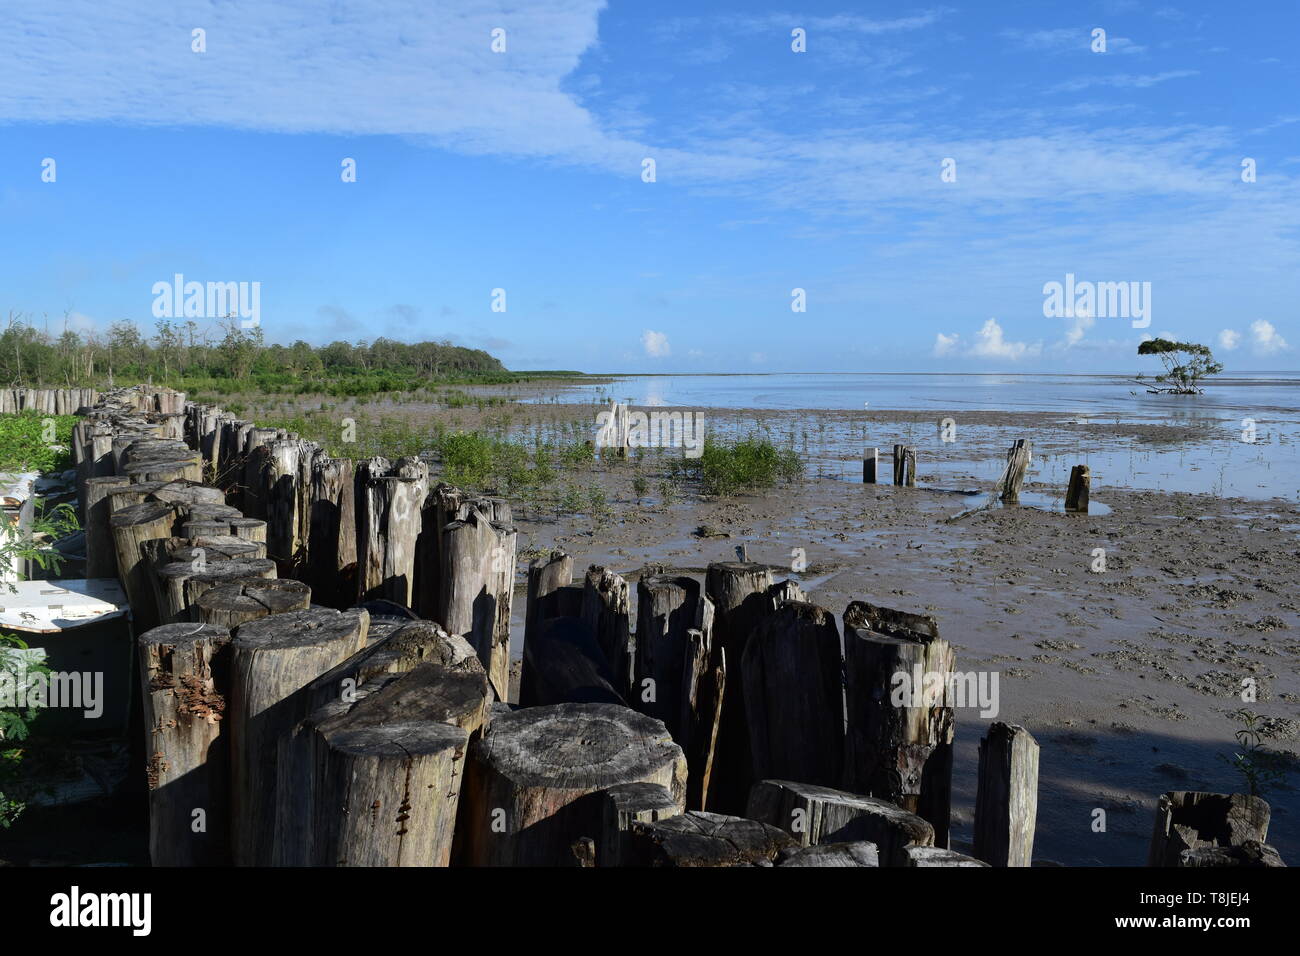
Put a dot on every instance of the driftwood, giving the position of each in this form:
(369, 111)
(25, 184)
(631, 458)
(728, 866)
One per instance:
(899, 752)
(273, 658)
(184, 672)
(937, 856)
(332, 529)
(101, 553)
(181, 583)
(532, 780)
(547, 574)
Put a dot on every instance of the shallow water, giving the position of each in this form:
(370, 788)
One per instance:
(1215, 460)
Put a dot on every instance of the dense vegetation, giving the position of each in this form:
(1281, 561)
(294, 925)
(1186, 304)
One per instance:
(25, 444)
(228, 358)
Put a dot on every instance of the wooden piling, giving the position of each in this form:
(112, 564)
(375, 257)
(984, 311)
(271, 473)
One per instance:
(530, 784)
(904, 466)
(870, 464)
(899, 752)
(1076, 495)
(1006, 801)
(793, 695)
(1019, 455)
(272, 658)
(184, 671)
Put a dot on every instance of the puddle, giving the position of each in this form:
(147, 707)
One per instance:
(1033, 499)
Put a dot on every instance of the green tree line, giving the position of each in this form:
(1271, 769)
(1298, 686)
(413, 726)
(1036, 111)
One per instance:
(226, 357)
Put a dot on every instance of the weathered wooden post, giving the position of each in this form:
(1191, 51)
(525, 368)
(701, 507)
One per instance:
(531, 782)
(794, 697)
(900, 752)
(563, 664)
(272, 658)
(101, 554)
(181, 583)
(1076, 495)
(388, 524)
(132, 526)
(184, 671)
(699, 839)
(704, 685)
(870, 464)
(373, 777)
(1006, 803)
(1019, 455)
(477, 588)
(904, 466)
(547, 573)
(667, 607)
(738, 592)
(332, 535)
(624, 805)
(606, 609)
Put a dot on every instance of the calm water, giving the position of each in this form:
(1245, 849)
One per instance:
(1218, 461)
(1093, 395)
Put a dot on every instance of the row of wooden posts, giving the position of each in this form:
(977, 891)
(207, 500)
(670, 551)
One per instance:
(307, 704)
(1009, 484)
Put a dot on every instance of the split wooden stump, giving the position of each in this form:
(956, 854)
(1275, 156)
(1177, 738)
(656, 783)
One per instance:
(702, 839)
(1192, 820)
(231, 605)
(818, 815)
(533, 783)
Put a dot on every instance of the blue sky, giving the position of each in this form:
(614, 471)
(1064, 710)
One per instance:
(775, 170)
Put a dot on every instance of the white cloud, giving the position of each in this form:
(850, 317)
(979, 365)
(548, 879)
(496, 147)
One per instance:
(655, 344)
(992, 344)
(1265, 339)
(1078, 326)
(1229, 339)
(945, 344)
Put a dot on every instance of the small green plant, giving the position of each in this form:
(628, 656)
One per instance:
(1260, 767)
(640, 486)
(17, 666)
(751, 463)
